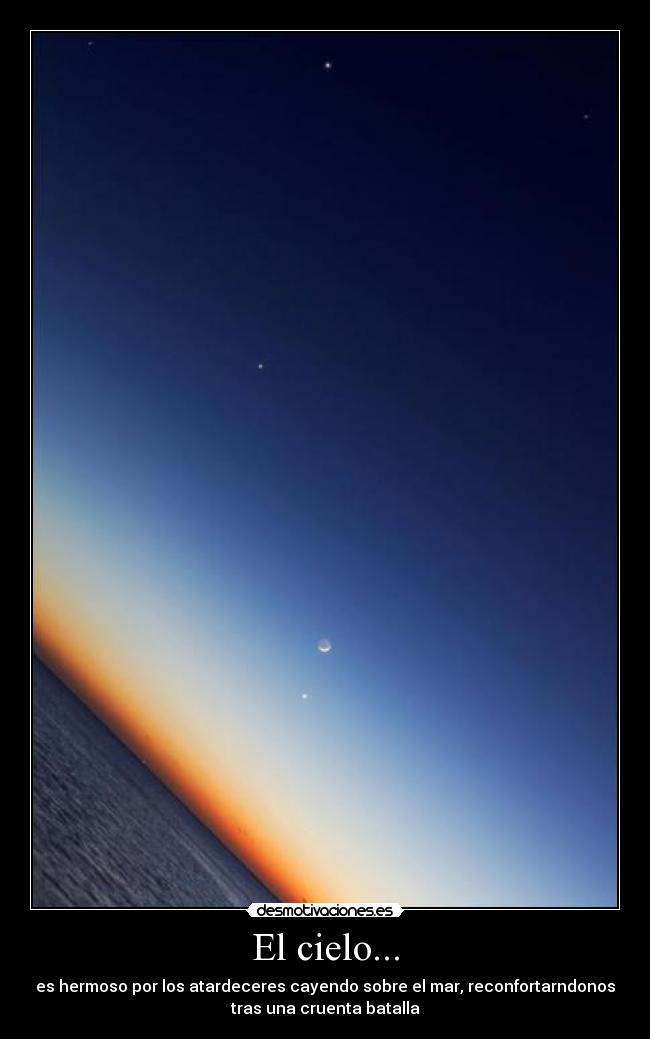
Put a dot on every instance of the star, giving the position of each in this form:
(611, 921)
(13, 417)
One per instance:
(586, 115)
(260, 367)
(327, 66)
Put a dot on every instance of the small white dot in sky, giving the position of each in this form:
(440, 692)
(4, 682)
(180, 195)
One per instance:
(586, 115)
(260, 367)
(324, 645)
(305, 696)
(327, 65)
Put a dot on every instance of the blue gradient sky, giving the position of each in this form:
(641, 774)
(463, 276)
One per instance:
(419, 245)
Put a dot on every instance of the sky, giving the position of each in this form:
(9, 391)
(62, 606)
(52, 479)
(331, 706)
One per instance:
(325, 346)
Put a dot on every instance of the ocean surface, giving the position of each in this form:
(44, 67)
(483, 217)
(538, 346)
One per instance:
(106, 832)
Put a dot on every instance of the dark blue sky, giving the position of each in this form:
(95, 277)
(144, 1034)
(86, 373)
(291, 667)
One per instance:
(420, 247)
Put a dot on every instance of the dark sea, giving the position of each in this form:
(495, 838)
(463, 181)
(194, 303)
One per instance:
(106, 832)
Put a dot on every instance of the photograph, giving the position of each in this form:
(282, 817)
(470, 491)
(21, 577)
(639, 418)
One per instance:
(325, 477)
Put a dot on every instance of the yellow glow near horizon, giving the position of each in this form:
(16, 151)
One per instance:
(174, 750)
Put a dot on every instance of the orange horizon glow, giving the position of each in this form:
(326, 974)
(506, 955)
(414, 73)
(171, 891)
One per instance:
(213, 796)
